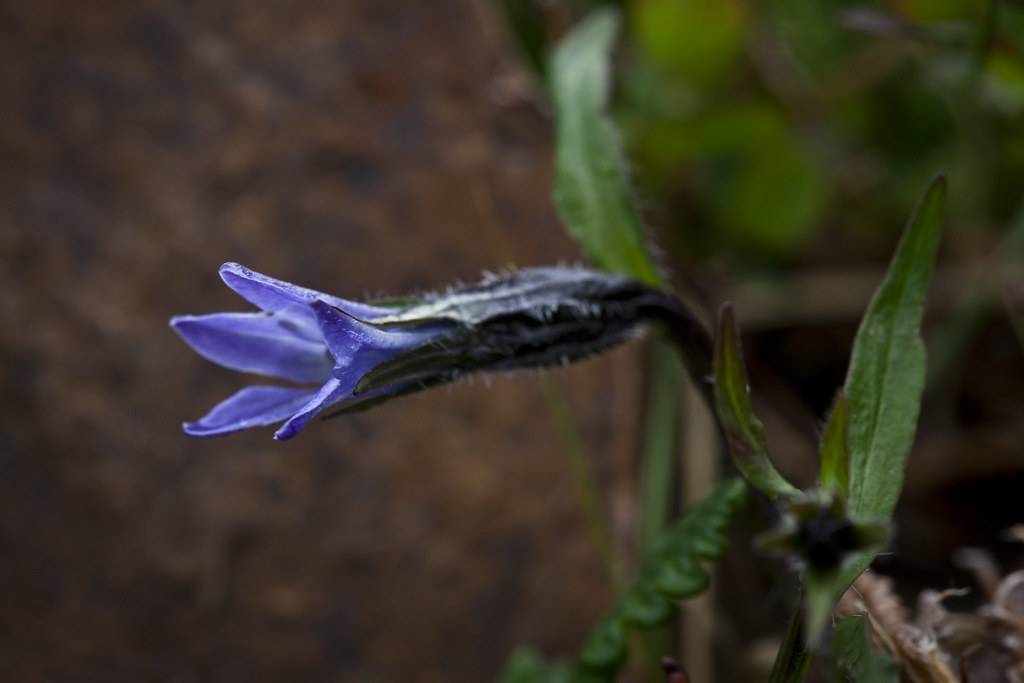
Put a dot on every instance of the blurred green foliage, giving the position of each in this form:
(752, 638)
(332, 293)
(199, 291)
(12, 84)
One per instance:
(780, 133)
(798, 131)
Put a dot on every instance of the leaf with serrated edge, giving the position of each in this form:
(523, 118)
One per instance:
(671, 571)
(744, 433)
(591, 184)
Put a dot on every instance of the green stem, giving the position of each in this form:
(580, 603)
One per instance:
(661, 437)
(657, 474)
(583, 477)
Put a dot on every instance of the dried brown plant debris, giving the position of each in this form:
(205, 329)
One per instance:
(941, 646)
(915, 648)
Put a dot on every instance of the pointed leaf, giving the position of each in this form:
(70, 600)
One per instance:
(591, 183)
(744, 433)
(887, 374)
(835, 450)
(887, 365)
(793, 658)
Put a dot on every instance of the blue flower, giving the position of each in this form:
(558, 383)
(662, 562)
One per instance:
(300, 335)
(360, 354)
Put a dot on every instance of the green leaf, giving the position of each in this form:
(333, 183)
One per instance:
(644, 605)
(681, 579)
(887, 375)
(592, 189)
(854, 660)
(606, 647)
(835, 449)
(793, 658)
(671, 571)
(744, 433)
(887, 366)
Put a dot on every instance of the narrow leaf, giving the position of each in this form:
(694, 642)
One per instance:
(835, 450)
(854, 660)
(887, 365)
(671, 571)
(591, 183)
(887, 374)
(793, 658)
(744, 433)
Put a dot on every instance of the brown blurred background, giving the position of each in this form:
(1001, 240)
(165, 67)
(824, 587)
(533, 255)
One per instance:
(358, 147)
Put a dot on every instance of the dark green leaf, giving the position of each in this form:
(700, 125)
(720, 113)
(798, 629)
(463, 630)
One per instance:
(854, 660)
(606, 646)
(644, 605)
(744, 433)
(682, 579)
(887, 365)
(793, 658)
(835, 449)
(591, 183)
(671, 571)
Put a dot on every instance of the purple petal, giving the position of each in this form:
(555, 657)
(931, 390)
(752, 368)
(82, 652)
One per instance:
(333, 391)
(255, 342)
(348, 338)
(255, 406)
(273, 295)
(357, 348)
